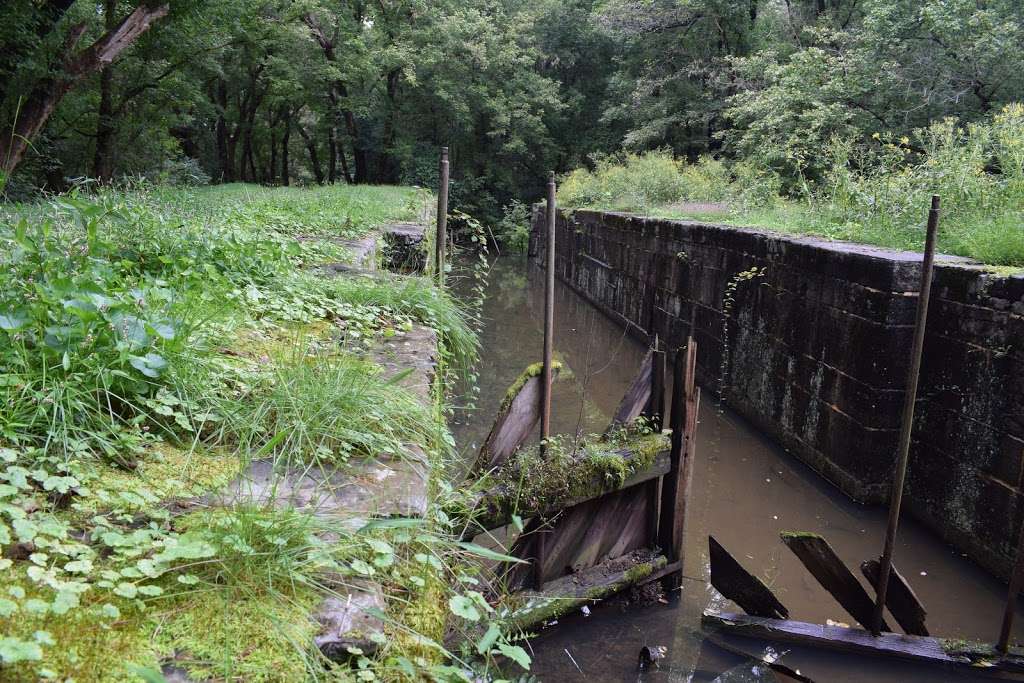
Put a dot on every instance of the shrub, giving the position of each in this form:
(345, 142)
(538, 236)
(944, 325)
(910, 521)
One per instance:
(513, 231)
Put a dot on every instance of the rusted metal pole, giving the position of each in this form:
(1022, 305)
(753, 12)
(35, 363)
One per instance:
(549, 316)
(1016, 581)
(441, 238)
(909, 402)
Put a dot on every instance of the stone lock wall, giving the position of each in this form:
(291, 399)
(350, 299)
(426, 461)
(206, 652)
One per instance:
(809, 340)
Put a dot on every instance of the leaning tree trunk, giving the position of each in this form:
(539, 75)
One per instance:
(41, 102)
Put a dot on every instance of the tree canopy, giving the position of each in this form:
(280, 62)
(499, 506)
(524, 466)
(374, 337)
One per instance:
(360, 91)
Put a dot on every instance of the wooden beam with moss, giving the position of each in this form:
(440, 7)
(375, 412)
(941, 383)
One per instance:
(589, 586)
(960, 654)
(516, 419)
(529, 485)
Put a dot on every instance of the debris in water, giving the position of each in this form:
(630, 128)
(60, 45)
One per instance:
(924, 573)
(571, 659)
(829, 622)
(585, 610)
(649, 657)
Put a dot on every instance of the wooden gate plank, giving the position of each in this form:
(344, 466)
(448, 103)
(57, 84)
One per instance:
(834, 576)
(636, 397)
(734, 582)
(901, 600)
(978, 658)
(516, 419)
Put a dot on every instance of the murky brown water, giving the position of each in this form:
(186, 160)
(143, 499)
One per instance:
(745, 491)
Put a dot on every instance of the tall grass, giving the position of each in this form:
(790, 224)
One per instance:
(874, 190)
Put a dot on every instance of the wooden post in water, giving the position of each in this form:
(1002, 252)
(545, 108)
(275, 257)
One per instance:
(656, 406)
(549, 315)
(441, 238)
(676, 484)
(1016, 581)
(909, 402)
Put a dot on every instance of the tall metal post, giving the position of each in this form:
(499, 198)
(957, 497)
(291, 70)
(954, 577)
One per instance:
(549, 314)
(909, 402)
(441, 238)
(1016, 581)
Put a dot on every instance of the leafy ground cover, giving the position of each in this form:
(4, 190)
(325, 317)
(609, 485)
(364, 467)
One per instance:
(152, 343)
(875, 191)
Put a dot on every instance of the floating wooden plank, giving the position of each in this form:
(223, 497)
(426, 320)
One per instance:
(737, 584)
(901, 600)
(833, 575)
(637, 395)
(973, 657)
(517, 418)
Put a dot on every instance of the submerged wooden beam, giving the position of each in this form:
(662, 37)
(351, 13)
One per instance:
(571, 592)
(737, 584)
(975, 657)
(833, 575)
(901, 600)
(517, 418)
(761, 658)
(636, 397)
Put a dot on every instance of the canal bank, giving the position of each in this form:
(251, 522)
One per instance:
(746, 490)
(808, 339)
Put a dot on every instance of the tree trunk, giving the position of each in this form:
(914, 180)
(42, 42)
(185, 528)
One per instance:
(102, 162)
(47, 94)
(388, 164)
(344, 163)
(221, 100)
(332, 150)
(284, 146)
(314, 158)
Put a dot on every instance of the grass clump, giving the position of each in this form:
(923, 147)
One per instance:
(875, 191)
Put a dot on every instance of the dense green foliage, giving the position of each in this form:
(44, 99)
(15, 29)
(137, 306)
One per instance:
(316, 92)
(876, 190)
(152, 344)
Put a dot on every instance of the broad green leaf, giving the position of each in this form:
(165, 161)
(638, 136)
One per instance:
(464, 607)
(516, 654)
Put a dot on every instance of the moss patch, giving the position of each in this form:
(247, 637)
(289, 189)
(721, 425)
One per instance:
(255, 638)
(531, 371)
(166, 472)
